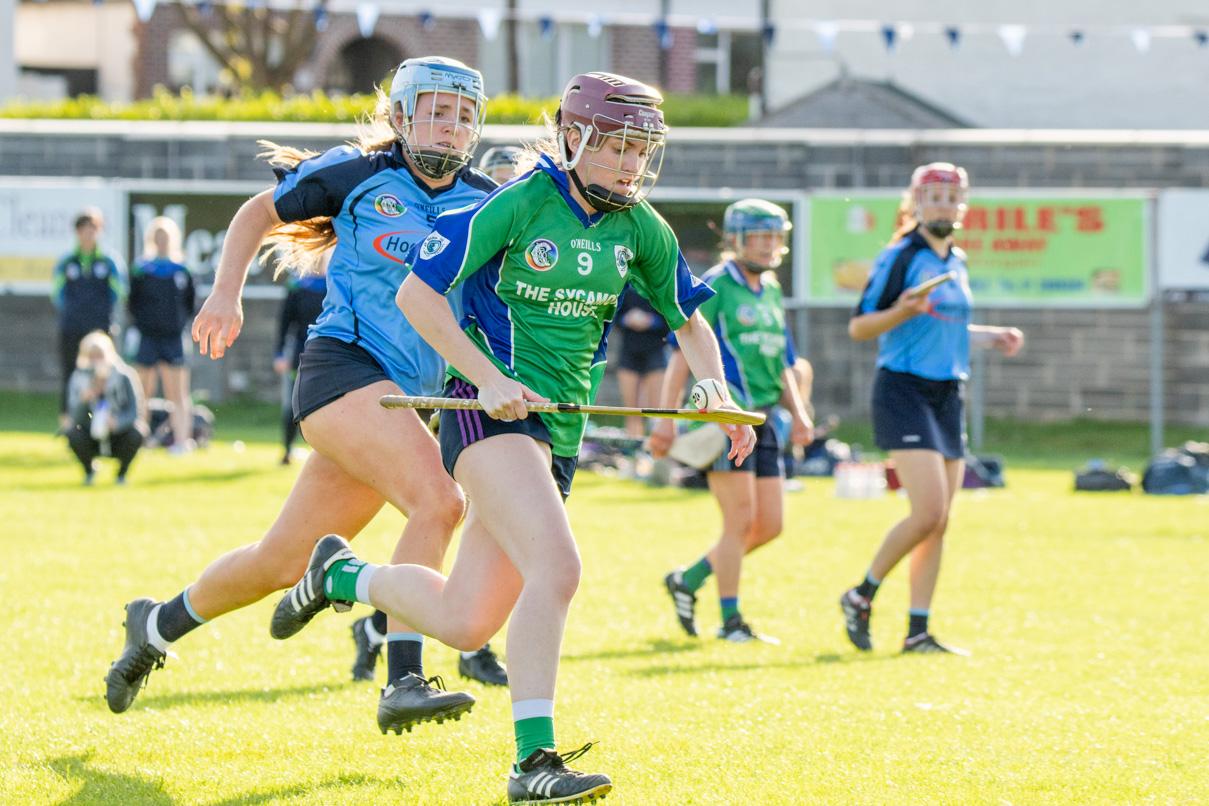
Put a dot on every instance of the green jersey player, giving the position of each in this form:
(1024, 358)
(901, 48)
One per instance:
(757, 351)
(539, 264)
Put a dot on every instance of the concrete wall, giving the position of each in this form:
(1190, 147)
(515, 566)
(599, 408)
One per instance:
(1093, 363)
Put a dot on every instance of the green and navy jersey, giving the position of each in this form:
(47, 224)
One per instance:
(752, 334)
(85, 288)
(379, 210)
(540, 280)
(161, 297)
(933, 345)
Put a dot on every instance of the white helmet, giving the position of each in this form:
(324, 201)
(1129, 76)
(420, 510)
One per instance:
(437, 74)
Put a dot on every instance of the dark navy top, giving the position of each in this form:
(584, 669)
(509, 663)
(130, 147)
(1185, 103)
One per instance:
(85, 289)
(302, 306)
(161, 297)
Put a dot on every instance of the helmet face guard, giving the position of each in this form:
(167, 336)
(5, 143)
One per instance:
(754, 216)
(499, 158)
(944, 189)
(600, 106)
(455, 81)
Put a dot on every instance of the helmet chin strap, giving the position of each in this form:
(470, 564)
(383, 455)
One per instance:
(941, 229)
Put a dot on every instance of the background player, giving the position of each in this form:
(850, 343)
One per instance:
(540, 272)
(500, 162)
(161, 304)
(918, 394)
(748, 318)
(303, 303)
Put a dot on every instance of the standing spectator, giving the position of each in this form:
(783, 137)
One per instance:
(302, 306)
(923, 360)
(161, 305)
(643, 356)
(104, 404)
(86, 287)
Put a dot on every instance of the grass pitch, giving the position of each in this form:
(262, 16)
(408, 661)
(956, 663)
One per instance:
(1086, 615)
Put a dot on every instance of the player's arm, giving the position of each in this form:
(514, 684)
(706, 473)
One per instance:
(700, 350)
(672, 395)
(220, 319)
(874, 316)
(1008, 340)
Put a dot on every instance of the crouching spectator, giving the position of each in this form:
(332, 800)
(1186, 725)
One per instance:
(104, 400)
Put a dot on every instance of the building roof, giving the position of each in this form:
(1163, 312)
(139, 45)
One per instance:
(854, 103)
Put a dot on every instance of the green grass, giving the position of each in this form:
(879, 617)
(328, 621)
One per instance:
(1086, 615)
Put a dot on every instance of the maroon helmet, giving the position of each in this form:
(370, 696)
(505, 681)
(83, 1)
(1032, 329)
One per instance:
(603, 105)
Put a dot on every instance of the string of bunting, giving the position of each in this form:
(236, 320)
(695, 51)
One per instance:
(893, 34)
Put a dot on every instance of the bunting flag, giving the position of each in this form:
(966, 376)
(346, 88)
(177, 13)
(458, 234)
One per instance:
(320, 18)
(769, 33)
(427, 22)
(1141, 39)
(1201, 37)
(489, 23)
(889, 35)
(367, 18)
(205, 8)
(826, 31)
(143, 9)
(954, 36)
(1078, 38)
(1013, 37)
(546, 26)
(595, 25)
(707, 27)
(663, 35)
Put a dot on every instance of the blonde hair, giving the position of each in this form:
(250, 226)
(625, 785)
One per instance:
(906, 217)
(526, 161)
(97, 340)
(172, 230)
(297, 246)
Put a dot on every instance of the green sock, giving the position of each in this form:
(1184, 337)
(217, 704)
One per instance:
(694, 576)
(730, 606)
(533, 734)
(348, 578)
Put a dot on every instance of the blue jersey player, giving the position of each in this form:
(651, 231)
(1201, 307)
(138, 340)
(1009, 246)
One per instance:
(924, 338)
(373, 202)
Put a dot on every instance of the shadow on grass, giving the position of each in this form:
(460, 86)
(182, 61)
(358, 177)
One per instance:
(660, 647)
(105, 481)
(269, 695)
(788, 663)
(119, 788)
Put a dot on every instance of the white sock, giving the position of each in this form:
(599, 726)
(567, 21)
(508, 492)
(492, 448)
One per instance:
(153, 631)
(375, 637)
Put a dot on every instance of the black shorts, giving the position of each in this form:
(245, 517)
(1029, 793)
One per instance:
(328, 370)
(765, 460)
(160, 349)
(461, 428)
(914, 413)
(642, 358)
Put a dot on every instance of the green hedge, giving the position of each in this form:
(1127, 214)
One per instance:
(680, 110)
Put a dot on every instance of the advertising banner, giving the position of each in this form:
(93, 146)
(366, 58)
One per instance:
(1183, 241)
(37, 220)
(1032, 250)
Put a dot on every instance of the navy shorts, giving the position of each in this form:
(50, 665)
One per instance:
(328, 370)
(461, 428)
(766, 460)
(642, 359)
(914, 413)
(161, 349)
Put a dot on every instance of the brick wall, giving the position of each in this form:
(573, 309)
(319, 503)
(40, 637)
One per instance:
(1092, 363)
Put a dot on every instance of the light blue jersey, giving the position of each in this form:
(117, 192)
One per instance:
(379, 210)
(933, 345)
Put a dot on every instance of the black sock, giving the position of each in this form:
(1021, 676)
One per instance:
(868, 588)
(175, 621)
(378, 619)
(404, 658)
(917, 623)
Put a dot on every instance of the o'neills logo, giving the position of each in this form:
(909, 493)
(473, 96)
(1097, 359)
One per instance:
(541, 255)
(389, 206)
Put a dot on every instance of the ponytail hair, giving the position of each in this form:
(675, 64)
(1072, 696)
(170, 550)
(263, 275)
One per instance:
(297, 246)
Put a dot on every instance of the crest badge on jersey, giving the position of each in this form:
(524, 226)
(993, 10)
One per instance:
(541, 255)
(746, 315)
(624, 256)
(433, 245)
(389, 205)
